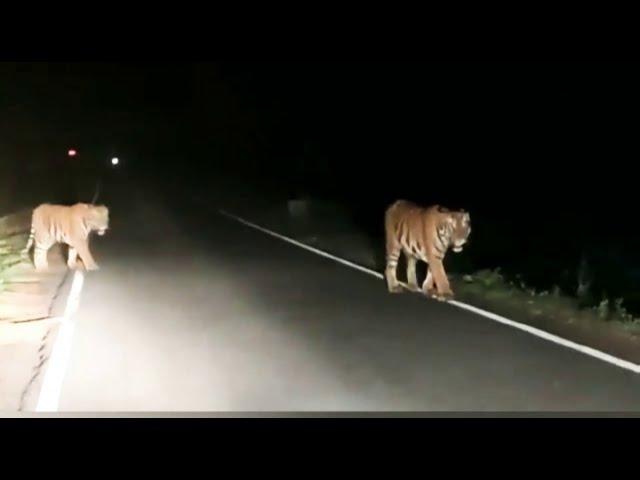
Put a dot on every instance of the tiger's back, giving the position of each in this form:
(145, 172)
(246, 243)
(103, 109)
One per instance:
(409, 226)
(55, 224)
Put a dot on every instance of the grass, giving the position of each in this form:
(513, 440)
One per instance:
(9, 257)
(12, 241)
(492, 286)
(13, 238)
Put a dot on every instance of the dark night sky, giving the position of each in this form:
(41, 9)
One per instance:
(468, 124)
(442, 130)
(49, 106)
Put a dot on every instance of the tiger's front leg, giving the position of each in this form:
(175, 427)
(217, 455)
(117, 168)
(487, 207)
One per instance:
(86, 257)
(393, 254)
(443, 288)
(428, 286)
(72, 257)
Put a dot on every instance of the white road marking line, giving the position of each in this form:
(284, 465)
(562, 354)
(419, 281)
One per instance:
(605, 357)
(302, 245)
(61, 351)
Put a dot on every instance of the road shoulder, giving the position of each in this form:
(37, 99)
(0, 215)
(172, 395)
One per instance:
(30, 303)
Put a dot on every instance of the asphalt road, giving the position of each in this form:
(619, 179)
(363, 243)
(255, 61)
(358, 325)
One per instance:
(205, 314)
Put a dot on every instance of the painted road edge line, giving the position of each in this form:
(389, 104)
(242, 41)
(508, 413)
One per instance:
(605, 357)
(59, 359)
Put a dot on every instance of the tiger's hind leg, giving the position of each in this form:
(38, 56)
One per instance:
(393, 254)
(40, 258)
(412, 278)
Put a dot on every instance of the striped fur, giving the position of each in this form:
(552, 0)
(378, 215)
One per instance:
(51, 224)
(423, 234)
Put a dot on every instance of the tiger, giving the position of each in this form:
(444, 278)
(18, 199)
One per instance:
(51, 224)
(423, 233)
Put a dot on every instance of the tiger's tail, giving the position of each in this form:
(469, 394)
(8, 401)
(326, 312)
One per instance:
(97, 193)
(32, 236)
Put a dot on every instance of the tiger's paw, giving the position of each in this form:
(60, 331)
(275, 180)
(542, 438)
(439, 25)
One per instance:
(431, 292)
(440, 296)
(395, 288)
(445, 296)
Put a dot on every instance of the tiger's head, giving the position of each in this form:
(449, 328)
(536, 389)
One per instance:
(460, 223)
(97, 218)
